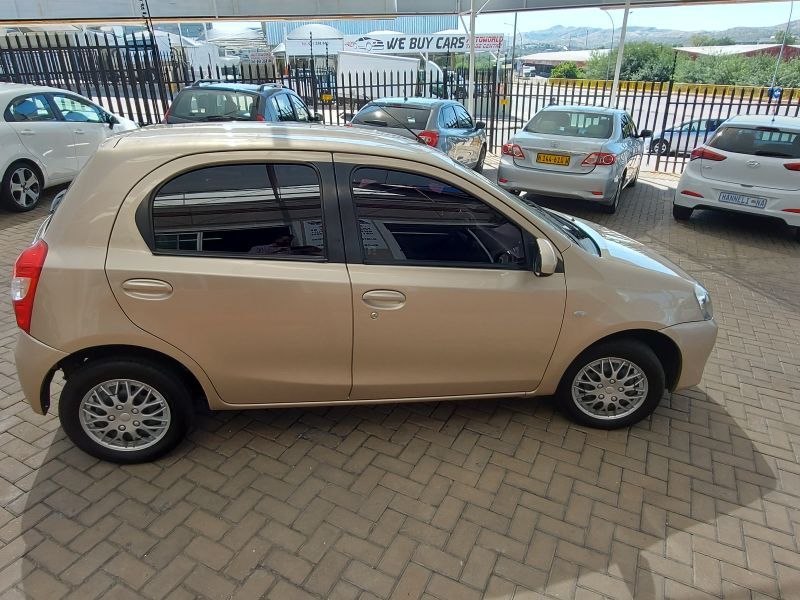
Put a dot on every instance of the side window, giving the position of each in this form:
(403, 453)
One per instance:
(632, 131)
(76, 110)
(464, 120)
(405, 218)
(300, 109)
(30, 108)
(251, 210)
(447, 118)
(283, 107)
(626, 126)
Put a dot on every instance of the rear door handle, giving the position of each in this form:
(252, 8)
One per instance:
(386, 299)
(27, 132)
(79, 131)
(147, 289)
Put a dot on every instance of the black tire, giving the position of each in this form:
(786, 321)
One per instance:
(10, 195)
(168, 384)
(478, 168)
(660, 147)
(610, 209)
(681, 213)
(638, 354)
(635, 179)
(796, 231)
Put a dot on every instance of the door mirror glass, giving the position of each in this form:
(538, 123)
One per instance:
(111, 120)
(645, 133)
(480, 125)
(546, 258)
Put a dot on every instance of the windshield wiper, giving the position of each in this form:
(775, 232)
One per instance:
(225, 118)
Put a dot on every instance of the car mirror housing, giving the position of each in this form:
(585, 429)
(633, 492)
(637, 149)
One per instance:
(316, 118)
(546, 261)
(480, 125)
(646, 133)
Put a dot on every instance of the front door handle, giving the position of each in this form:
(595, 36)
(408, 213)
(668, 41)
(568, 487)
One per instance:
(79, 131)
(147, 289)
(27, 132)
(385, 299)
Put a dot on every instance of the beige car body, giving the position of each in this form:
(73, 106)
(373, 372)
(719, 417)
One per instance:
(257, 334)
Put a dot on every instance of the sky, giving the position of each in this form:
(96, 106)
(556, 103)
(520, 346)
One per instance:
(686, 18)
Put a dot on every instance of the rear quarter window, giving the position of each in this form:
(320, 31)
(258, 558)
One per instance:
(757, 141)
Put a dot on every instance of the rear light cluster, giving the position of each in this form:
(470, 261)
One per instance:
(792, 166)
(165, 120)
(261, 118)
(706, 154)
(599, 158)
(431, 138)
(513, 150)
(27, 270)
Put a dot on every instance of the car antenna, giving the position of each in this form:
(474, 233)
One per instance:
(404, 126)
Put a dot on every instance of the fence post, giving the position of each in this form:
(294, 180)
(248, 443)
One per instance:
(669, 98)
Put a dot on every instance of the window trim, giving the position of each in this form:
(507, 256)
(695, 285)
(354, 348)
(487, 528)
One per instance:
(50, 103)
(103, 113)
(332, 229)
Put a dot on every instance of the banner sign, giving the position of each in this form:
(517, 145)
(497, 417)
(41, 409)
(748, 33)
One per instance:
(322, 47)
(435, 43)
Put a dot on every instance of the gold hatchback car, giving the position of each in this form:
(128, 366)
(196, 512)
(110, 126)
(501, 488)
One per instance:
(279, 265)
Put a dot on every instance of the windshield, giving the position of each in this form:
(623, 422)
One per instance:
(381, 116)
(572, 123)
(761, 141)
(214, 105)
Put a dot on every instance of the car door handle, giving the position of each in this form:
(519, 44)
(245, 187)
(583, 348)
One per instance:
(27, 132)
(78, 131)
(147, 289)
(386, 299)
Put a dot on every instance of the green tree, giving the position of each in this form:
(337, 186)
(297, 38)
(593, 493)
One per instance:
(790, 37)
(700, 39)
(641, 61)
(567, 70)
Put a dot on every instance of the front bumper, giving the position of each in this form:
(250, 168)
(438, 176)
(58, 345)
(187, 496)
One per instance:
(598, 186)
(695, 341)
(36, 363)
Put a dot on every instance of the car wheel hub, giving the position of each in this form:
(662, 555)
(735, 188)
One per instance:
(123, 414)
(609, 388)
(24, 187)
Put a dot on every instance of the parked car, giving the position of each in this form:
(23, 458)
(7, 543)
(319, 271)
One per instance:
(213, 100)
(290, 268)
(442, 124)
(584, 152)
(751, 165)
(683, 137)
(528, 71)
(46, 136)
(369, 44)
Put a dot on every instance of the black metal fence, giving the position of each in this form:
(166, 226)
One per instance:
(133, 77)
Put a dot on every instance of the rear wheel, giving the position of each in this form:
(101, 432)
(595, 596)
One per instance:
(612, 208)
(681, 213)
(613, 384)
(481, 158)
(22, 187)
(125, 410)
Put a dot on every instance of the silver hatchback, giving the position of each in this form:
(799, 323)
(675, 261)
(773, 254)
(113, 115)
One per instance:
(443, 124)
(584, 152)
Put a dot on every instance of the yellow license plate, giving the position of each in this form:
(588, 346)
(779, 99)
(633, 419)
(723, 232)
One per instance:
(553, 159)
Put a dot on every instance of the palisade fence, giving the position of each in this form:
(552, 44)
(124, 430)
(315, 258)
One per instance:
(131, 77)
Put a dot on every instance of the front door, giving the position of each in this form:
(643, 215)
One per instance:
(444, 299)
(240, 266)
(86, 122)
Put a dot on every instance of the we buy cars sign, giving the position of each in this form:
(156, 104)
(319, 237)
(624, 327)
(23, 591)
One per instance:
(388, 43)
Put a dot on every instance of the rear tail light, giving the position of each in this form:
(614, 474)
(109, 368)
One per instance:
(691, 193)
(792, 166)
(27, 270)
(513, 150)
(706, 154)
(599, 158)
(430, 137)
(792, 210)
(165, 120)
(261, 118)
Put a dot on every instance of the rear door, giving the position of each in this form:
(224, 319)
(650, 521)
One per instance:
(236, 259)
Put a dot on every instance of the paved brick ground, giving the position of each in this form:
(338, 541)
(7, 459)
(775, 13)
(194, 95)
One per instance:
(455, 500)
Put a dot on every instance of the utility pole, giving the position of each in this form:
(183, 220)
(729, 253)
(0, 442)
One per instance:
(514, 47)
(620, 50)
(471, 82)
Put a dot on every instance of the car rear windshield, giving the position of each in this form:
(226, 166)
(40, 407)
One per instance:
(392, 117)
(214, 105)
(761, 141)
(572, 123)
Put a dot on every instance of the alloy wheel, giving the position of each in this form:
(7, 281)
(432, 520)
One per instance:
(24, 187)
(609, 388)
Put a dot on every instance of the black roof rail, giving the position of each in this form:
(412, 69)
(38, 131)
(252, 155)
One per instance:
(200, 82)
(265, 86)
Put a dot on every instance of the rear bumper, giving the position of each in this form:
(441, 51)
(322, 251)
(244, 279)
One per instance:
(695, 341)
(777, 200)
(598, 186)
(36, 363)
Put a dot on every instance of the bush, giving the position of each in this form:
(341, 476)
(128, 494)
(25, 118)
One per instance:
(641, 61)
(567, 70)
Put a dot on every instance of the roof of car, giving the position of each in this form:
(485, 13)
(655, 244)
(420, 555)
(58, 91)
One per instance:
(581, 108)
(783, 122)
(14, 89)
(416, 102)
(235, 87)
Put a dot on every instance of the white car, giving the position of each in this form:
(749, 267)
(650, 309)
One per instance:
(46, 136)
(751, 165)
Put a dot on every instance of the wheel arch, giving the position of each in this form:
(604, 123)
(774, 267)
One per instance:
(32, 163)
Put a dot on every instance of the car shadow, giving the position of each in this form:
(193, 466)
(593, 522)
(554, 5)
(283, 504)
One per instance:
(676, 475)
(9, 219)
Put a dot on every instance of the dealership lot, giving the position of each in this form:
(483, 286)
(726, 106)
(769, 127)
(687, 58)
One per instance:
(455, 500)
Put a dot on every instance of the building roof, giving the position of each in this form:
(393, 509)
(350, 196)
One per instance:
(727, 50)
(560, 56)
(319, 32)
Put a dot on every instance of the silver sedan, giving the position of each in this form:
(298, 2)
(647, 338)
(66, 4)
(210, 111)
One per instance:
(584, 152)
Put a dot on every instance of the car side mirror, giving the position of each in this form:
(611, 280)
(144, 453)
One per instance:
(480, 125)
(546, 261)
(111, 120)
(316, 118)
(646, 133)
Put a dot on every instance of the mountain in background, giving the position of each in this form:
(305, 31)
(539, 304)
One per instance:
(578, 38)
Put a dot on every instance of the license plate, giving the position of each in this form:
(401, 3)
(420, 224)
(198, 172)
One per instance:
(740, 200)
(553, 159)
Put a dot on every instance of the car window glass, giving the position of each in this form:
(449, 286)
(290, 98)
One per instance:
(217, 105)
(632, 131)
(73, 109)
(448, 118)
(251, 210)
(573, 123)
(759, 142)
(30, 108)
(405, 218)
(283, 107)
(300, 109)
(464, 120)
(393, 117)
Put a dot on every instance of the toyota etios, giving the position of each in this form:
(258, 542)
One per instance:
(304, 266)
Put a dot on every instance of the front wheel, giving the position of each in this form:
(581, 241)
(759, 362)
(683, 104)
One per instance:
(660, 147)
(125, 410)
(613, 384)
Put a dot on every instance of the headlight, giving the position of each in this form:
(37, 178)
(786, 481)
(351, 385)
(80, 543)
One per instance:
(704, 300)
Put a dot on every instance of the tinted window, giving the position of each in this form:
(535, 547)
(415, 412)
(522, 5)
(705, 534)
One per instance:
(572, 123)
(405, 218)
(393, 116)
(759, 142)
(300, 109)
(214, 105)
(448, 118)
(262, 210)
(30, 108)
(283, 107)
(464, 120)
(73, 109)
